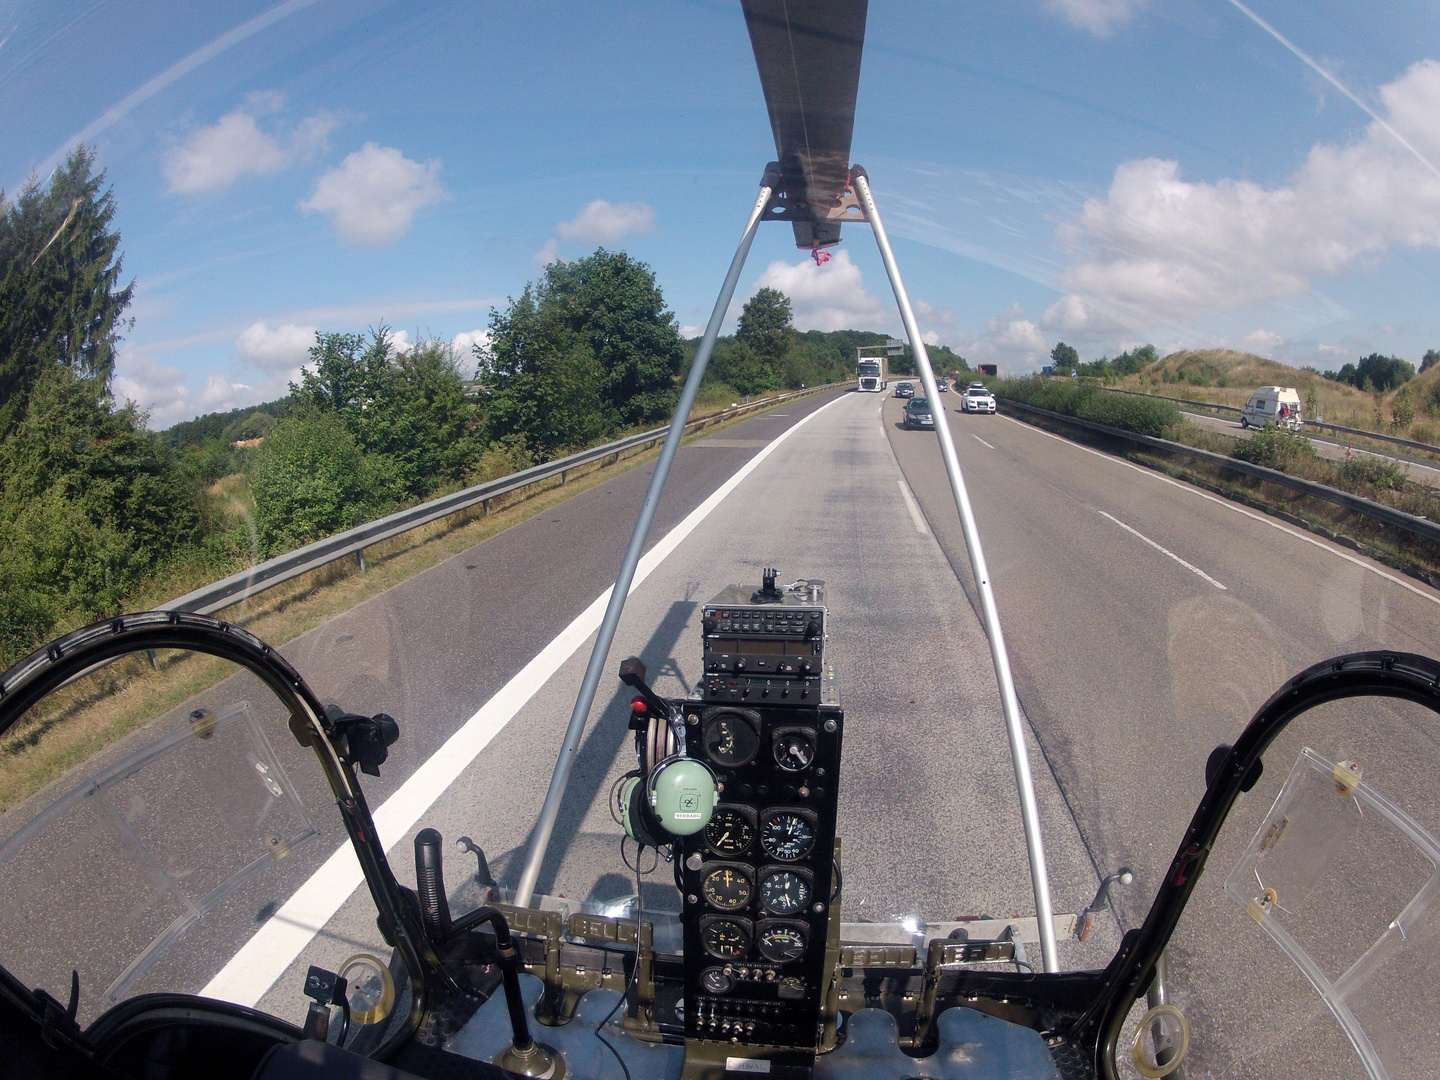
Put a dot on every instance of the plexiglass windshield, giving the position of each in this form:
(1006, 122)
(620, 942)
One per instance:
(270, 275)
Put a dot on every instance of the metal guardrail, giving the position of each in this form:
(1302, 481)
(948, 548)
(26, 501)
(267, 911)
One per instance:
(237, 587)
(1308, 423)
(1388, 514)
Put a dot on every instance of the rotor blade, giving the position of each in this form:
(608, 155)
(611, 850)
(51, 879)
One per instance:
(808, 54)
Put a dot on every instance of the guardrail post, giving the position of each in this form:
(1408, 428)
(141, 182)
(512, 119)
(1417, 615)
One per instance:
(360, 560)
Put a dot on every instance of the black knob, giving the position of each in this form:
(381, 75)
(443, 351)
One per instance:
(739, 665)
(805, 667)
(812, 628)
(709, 623)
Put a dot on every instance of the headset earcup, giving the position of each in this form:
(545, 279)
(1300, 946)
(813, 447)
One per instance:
(636, 815)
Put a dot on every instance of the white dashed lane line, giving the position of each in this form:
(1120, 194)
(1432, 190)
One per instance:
(913, 507)
(1163, 550)
(981, 441)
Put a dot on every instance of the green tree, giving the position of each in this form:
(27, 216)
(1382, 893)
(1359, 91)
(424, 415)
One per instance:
(587, 350)
(91, 504)
(60, 300)
(1430, 359)
(409, 407)
(744, 370)
(765, 327)
(1065, 358)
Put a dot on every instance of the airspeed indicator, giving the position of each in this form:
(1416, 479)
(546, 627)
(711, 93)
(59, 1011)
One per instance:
(786, 836)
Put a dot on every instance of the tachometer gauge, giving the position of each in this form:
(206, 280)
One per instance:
(729, 832)
(786, 836)
(782, 942)
(784, 892)
(725, 939)
(730, 740)
(727, 888)
(794, 749)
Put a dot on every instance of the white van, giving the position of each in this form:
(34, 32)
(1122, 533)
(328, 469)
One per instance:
(1279, 405)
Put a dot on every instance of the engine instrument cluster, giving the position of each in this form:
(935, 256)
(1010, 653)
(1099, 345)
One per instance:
(758, 879)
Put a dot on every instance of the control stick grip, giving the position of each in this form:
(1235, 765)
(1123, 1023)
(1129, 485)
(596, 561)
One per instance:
(430, 884)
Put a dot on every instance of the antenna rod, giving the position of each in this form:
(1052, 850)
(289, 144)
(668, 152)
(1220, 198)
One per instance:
(545, 826)
(1009, 703)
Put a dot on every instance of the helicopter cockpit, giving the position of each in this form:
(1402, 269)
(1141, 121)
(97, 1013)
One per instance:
(231, 875)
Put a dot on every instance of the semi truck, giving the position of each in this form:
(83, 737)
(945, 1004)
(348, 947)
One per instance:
(871, 369)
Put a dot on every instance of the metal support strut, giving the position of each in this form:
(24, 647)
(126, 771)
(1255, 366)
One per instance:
(1009, 703)
(545, 826)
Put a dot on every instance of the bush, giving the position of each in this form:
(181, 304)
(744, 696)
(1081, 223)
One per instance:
(1375, 472)
(1274, 448)
(312, 479)
(1144, 416)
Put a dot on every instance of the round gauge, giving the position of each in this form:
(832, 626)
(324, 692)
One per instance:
(730, 740)
(782, 943)
(725, 939)
(786, 836)
(727, 888)
(794, 749)
(729, 832)
(716, 981)
(784, 892)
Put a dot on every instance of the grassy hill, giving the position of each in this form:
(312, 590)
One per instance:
(1227, 377)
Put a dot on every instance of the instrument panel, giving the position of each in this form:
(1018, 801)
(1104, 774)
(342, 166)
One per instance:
(757, 879)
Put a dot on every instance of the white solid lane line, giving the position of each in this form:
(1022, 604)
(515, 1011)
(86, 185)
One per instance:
(1163, 550)
(1239, 510)
(265, 957)
(913, 507)
(981, 441)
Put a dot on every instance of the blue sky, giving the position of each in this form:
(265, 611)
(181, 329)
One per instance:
(1104, 172)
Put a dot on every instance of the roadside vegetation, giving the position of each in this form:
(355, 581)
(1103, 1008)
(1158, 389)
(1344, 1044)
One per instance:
(100, 515)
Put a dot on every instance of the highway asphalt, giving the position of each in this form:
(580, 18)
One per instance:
(1132, 663)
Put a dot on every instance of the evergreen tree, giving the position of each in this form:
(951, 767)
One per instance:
(60, 303)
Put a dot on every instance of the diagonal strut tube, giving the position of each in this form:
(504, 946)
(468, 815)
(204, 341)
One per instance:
(1009, 704)
(545, 826)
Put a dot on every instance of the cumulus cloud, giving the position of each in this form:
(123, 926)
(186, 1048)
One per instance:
(1010, 340)
(828, 297)
(604, 222)
(275, 349)
(1262, 341)
(464, 342)
(372, 196)
(212, 158)
(154, 388)
(1100, 17)
(600, 222)
(1159, 248)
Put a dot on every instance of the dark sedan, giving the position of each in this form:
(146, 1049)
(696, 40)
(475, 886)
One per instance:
(918, 414)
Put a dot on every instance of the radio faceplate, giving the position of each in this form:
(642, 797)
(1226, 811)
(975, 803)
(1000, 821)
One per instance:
(765, 651)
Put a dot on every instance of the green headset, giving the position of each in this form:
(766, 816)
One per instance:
(670, 795)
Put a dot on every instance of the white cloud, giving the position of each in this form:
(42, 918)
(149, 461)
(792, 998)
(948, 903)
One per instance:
(221, 395)
(372, 196)
(689, 331)
(464, 342)
(1099, 17)
(1263, 342)
(603, 222)
(282, 348)
(548, 253)
(1159, 248)
(161, 391)
(212, 158)
(828, 297)
(400, 341)
(1010, 340)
